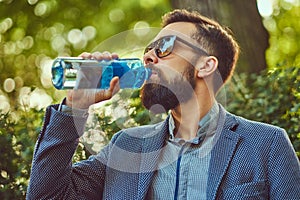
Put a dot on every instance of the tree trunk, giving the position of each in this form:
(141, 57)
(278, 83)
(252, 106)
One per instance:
(243, 18)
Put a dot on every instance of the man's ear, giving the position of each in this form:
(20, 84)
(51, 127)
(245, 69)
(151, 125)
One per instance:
(206, 66)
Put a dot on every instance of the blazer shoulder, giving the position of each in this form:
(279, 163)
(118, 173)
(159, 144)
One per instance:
(248, 126)
(139, 133)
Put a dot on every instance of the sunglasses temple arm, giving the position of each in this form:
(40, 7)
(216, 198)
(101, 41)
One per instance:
(193, 46)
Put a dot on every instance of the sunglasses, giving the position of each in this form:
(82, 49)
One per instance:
(164, 46)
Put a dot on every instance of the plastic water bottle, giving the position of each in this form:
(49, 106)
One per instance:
(79, 73)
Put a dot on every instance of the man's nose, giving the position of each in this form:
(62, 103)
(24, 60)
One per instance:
(150, 57)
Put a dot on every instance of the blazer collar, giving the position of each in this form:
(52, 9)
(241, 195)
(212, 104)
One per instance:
(226, 141)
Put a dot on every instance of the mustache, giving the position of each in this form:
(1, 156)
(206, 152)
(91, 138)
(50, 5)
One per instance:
(154, 68)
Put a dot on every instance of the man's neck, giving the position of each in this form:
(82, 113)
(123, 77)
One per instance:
(187, 116)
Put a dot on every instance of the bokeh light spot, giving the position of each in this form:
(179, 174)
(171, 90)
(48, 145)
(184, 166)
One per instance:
(148, 4)
(75, 36)
(19, 82)
(141, 28)
(58, 43)
(5, 25)
(4, 105)
(40, 9)
(32, 2)
(116, 15)
(265, 7)
(28, 42)
(39, 99)
(89, 32)
(9, 85)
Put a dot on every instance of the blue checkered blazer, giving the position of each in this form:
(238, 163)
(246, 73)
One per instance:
(249, 160)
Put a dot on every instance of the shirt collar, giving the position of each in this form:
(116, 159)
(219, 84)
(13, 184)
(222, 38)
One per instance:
(207, 125)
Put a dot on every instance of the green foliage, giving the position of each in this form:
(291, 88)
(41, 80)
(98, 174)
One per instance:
(17, 143)
(284, 31)
(272, 97)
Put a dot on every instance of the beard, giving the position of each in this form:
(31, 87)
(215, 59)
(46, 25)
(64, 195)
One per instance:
(164, 95)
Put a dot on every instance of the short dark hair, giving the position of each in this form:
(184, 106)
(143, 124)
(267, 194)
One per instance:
(215, 39)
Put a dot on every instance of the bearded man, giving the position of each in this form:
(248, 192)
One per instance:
(200, 151)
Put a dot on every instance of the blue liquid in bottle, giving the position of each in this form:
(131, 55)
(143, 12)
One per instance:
(78, 73)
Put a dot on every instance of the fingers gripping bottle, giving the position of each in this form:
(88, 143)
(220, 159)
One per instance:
(79, 73)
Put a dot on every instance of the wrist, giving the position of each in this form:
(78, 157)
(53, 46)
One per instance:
(68, 109)
(67, 102)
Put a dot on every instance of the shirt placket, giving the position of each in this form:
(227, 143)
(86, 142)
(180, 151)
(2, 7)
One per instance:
(182, 172)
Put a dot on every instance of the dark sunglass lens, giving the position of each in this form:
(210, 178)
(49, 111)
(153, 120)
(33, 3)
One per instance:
(165, 46)
(150, 47)
(163, 53)
(147, 49)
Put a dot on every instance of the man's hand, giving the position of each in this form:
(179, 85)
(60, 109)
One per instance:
(83, 98)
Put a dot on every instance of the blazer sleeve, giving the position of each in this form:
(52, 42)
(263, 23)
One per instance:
(52, 174)
(283, 168)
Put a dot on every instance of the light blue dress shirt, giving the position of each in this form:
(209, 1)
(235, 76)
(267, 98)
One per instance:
(183, 168)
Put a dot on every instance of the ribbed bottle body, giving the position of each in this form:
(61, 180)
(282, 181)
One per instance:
(78, 73)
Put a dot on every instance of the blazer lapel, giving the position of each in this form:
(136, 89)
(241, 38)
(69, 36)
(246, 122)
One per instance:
(132, 177)
(152, 145)
(222, 153)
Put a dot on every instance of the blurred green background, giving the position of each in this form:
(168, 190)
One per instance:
(34, 32)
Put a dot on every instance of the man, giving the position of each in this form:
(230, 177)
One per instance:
(199, 152)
